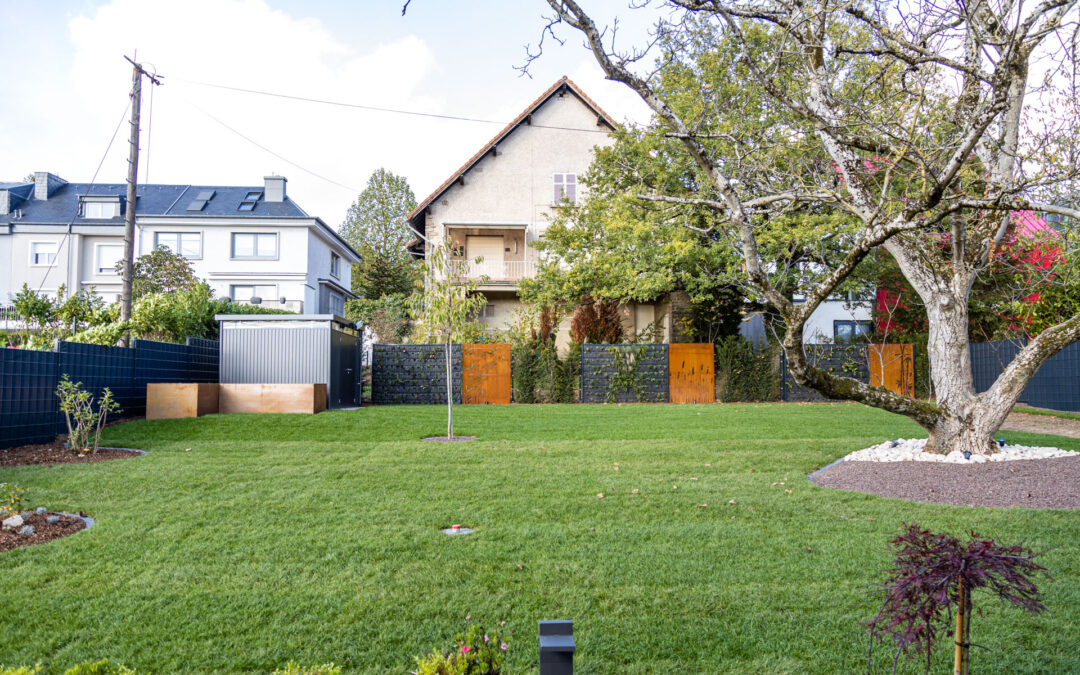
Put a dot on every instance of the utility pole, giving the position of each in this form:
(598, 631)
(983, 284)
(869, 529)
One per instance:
(132, 197)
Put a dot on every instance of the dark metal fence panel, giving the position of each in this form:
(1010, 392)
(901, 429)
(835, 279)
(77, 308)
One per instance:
(624, 373)
(29, 411)
(414, 374)
(1055, 385)
(847, 360)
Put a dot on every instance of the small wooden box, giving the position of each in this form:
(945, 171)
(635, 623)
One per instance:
(272, 398)
(167, 400)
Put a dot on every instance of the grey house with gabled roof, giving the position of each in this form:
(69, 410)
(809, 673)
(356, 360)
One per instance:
(245, 241)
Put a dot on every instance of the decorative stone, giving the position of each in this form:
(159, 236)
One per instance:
(13, 521)
(52, 519)
(908, 450)
(41, 510)
(26, 530)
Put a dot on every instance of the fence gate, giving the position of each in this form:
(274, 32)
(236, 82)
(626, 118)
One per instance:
(485, 373)
(690, 373)
(893, 367)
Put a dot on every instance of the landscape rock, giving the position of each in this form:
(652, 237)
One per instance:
(911, 450)
(52, 519)
(26, 530)
(41, 510)
(13, 521)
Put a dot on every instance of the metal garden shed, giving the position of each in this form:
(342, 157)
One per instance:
(293, 349)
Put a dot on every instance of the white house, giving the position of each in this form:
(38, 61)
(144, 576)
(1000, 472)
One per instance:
(246, 242)
(502, 199)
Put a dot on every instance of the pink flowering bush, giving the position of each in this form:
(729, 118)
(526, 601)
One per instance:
(477, 651)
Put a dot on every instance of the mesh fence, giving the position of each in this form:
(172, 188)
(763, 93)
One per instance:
(1055, 385)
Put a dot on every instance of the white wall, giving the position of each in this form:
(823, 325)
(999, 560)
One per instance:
(819, 327)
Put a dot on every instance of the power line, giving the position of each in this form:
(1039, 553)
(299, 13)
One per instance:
(279, 156)
(93, 180)
(373, 108)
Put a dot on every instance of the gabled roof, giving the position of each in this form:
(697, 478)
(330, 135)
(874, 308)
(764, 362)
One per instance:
(563, 84)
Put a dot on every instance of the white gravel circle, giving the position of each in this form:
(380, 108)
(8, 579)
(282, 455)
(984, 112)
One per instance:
(911, 450)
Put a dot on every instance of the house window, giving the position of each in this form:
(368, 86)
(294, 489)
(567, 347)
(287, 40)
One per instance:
(261, 246)
(106, 257)
(187, 244)
(245, 292)
(852, 331)
(337, 304)
(101, 210)
(43, 253)
(565, 187)
(335, 264)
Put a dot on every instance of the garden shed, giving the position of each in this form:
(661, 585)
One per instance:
(293, 349)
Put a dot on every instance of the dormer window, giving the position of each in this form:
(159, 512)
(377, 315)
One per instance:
(100, 208)
(565, 187)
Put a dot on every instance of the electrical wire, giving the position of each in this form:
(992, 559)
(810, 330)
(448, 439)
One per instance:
(275, 154)
(93, 180)
(373, 108)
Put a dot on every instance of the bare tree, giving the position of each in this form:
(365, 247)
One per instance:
(908, 118)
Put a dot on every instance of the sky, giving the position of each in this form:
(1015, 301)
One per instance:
(65, 99)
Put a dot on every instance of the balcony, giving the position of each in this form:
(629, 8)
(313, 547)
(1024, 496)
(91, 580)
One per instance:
(498, 273)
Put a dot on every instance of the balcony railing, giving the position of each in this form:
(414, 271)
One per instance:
(496, 271)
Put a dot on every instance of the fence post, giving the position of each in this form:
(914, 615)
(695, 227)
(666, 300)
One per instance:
(556, 648)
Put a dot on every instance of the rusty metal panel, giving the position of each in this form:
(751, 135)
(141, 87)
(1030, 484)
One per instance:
(691, 374)
(485, 373)
(893, 367)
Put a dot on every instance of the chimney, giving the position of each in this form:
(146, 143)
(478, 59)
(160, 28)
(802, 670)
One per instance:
(45, 184)
(275, 188)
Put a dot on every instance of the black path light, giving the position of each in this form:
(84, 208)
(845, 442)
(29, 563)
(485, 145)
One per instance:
(556, 648)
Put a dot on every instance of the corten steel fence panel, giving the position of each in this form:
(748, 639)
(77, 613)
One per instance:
(691, 373)
(414, 374)
(29, 410)
(846, 360)
(1056, 385)
(624, 373)
(893, 367)
(485, 373)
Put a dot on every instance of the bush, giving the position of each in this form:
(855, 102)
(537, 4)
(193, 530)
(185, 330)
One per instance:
(102, 667)
(296, 669)
(540, 376)
(19, 670)
(477, 652)
(12, 499)
(83, 421)
(744, 373)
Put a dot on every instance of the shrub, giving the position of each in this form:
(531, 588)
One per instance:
(597, 321)
(102, 667)
(83, 421)
(296, 669)
(476, 652)
(20, 670)
(933, 577)
(744, 373)
(538, 374)
(12, 499)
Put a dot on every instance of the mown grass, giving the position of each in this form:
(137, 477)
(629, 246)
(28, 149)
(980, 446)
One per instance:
(315, 539)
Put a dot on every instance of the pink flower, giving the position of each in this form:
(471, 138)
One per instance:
(468, 616)
(486, 638)
(503, 646)
(465, 649)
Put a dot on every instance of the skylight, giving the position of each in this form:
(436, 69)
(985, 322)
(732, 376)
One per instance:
(197, 205)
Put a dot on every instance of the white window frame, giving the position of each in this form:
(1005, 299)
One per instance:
(111, 271)
(232, 245)
(564, 185)
(114, 207)
(179, 234)
(55, 253)
(335, 265)
(337, 298)
(254, 292)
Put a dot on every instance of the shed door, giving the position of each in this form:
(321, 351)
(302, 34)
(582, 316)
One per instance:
(491, 248)
(485, 373)
(690, 369)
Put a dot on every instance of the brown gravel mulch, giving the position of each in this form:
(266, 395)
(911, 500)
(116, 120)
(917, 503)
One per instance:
(1028, 483)
(44, 531)
(56, 453)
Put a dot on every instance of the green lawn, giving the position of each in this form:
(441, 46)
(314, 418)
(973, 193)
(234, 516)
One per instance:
(316, 539)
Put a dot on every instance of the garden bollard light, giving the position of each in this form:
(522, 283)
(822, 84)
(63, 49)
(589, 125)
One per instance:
(556, 648)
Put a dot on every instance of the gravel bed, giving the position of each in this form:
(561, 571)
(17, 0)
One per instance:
(1029, 483)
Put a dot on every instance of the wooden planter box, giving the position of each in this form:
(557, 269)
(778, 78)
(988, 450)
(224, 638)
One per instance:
(272, 398)
(166, 400)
